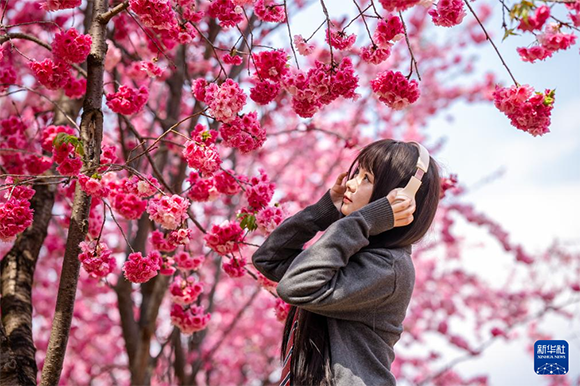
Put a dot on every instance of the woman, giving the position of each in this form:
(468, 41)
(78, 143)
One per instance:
(350, 290)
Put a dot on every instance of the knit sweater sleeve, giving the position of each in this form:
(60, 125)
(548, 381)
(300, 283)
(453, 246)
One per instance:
(280, 248)
(320, 279)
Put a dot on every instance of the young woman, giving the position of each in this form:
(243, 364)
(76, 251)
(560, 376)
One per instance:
(350, 290)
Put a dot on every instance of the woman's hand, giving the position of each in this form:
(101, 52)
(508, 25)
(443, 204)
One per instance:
(338, 190)
(402, 210)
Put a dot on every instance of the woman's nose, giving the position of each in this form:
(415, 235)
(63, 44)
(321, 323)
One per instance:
(351, 184)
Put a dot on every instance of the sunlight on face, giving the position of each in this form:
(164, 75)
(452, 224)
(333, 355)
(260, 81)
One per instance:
(358, 189)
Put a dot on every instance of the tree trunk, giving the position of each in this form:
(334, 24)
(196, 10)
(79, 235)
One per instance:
(91, 136)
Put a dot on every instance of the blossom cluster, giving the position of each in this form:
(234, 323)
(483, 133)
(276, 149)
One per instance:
(269, 217)
(388, 30)
(304, 48)
(227, 12)
(68, 47)
(96, 259)
(55, 5)
(244, 133)
(157, 14)
(128, 100)
(128, 204)
(51, 74)
(226, 182)
(202, 157)
(340, 39)
(168, 211)
(143, 70)
(320, 86)
(527, 110)
(71, 46)
(225, 101)
(189, 320)
(7, 75)
(448, 13)
(224, 238)
(260, 191)
(234, 267)
(186, 262)
(550, 41)
(202, 189)
(186, 291)
(15, 212)
(93, 186)
(398, 5)
(139, 269)
(271, 64)
(270, 11)
(394, 90)
(265, 91)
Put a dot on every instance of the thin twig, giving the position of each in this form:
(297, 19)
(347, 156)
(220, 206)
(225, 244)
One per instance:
(491, 41)
(413, 60)
(290, 35)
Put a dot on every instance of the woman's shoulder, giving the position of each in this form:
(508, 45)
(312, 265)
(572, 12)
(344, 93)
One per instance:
(392, 254)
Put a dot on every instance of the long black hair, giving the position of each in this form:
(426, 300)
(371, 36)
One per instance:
(392, 164)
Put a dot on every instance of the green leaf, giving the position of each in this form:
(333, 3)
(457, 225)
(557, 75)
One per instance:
(248, 222)
(509, 32)
(62, 138)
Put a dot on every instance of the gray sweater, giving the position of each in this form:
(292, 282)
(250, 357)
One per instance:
(364, 292)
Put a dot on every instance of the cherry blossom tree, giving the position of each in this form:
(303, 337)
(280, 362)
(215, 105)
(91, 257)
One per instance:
(149, 146)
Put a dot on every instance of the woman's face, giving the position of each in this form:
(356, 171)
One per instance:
(358, 191)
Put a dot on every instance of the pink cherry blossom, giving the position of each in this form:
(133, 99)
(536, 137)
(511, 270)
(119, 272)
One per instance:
(55, 5)
(527, 110)
(224, 238)
(168, 211)
(536, 21)
(260, 191)
(398, 5)
(71, 46)
(339, 39)
(264, 92)
(244, 133)
(227, 182)
(394, 90)
(93, 186)
(155, 13)
(448, 13)
(270, 11)
(269, 217)
(234, 267)
(15, 212)
(388, 31)
(204, 158)
(186, 262)
(271, 64)
(201, 189)
(139, 269)
(302, 46)
(189, 320)
(186, 291)
(375, 55)
(228, 13)
(128, 100)
(97, 259)
(51, 74)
